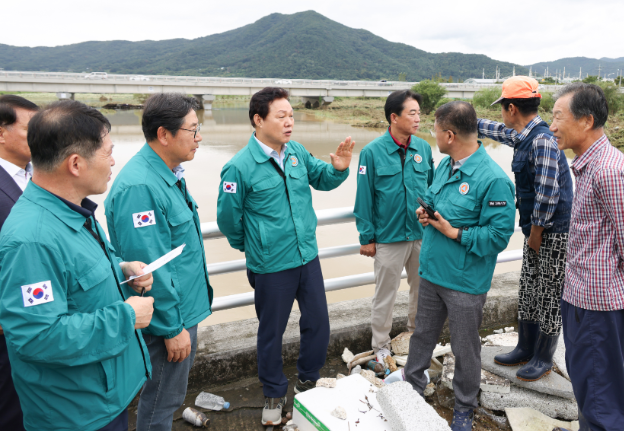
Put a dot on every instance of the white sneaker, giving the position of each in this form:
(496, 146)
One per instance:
(381, 354)
(272, 412)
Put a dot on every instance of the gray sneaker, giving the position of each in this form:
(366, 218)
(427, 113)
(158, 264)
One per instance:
(272, 412)
(304, 386)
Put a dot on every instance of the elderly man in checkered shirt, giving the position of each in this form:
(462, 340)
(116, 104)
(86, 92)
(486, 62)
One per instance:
(593, 298)
(544, 201)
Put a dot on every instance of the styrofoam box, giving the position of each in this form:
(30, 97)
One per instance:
(313, 407)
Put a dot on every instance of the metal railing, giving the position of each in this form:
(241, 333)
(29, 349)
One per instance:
(325, 217)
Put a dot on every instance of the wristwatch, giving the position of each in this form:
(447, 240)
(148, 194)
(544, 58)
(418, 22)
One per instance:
(460, 230)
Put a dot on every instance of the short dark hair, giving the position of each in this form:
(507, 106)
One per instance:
(458, 116)
(525, 106)
(8, 104)
(587, 99)
(64, 128)
(261, 101)
(166, 110)
(396, 100)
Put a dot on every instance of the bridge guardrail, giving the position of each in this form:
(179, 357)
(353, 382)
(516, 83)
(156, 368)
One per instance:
(325, 217)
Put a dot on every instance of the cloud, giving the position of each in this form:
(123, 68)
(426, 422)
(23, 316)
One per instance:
(521, 32)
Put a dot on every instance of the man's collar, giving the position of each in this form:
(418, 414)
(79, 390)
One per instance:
(86, 208)
(396, 141)
(13, 169)
(158, 164)
(257, 152)
(527, 129)
(58, 206)
(474, 160)
(580, 162)
(268, 150)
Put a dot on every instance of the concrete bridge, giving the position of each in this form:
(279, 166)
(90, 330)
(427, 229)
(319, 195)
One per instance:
(313, 92)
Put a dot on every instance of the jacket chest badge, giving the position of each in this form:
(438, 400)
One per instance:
(464, 188)
(418, 158)
(294, 161)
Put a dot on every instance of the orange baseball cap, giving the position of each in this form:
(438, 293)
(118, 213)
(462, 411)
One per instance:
(519, 87)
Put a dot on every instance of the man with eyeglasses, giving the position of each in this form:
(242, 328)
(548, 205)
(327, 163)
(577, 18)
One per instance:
(472, 215)
(149, 212)
(394, 171)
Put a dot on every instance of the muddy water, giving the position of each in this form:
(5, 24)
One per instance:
(225, 132)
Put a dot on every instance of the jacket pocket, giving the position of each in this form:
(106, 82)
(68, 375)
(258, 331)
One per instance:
(264, 240)
(96, 274)
(385, 171)
(109, 374)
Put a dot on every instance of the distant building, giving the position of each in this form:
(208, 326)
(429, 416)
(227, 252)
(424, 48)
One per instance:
(481, 81)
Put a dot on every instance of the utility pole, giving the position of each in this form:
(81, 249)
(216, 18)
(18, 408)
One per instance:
(580, 74)
(531, 72)
(599, 71)
(483, 73)
(514, 71)
(563, 72)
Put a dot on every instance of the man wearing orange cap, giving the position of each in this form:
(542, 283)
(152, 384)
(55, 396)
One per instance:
(544, 201)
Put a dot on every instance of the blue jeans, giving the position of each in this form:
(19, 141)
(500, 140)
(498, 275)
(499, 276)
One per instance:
(165, 392)
(594, 342)
(275, 294)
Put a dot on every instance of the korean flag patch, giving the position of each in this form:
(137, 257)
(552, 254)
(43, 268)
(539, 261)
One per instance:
(38, 293)
(142, 219)
(230, 187)
(362, 170)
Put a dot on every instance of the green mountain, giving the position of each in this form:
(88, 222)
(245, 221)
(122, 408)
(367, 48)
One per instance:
(574, 65)
(303, 45)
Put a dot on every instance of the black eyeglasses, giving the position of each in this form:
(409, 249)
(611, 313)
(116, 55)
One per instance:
(193, 130)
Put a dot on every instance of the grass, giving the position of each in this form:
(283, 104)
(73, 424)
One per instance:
(370, 113)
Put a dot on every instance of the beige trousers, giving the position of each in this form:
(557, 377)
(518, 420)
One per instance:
(390, 259)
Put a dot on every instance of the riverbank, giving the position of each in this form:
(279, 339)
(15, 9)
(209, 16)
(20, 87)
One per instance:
(369, 112)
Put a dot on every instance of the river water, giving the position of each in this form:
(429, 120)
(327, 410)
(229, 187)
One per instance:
(224, 133)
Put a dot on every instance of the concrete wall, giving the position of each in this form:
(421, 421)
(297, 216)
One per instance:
(227, 352)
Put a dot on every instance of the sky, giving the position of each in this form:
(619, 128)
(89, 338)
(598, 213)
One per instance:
(522, 32)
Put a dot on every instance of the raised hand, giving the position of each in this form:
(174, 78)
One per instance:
(342, 159)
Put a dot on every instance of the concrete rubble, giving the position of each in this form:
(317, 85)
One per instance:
(400, 343)
(326, 383)
(508, 339)
(370, 376)
(509, 329)
(489, 382)
(551, 384)
(552, 406)
(347, 356)
(406, 410)
(527, 419)
(340, 413)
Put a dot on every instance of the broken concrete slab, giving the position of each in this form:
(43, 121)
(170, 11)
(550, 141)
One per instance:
(555, 407)
(527, 419)
(400, 343)
(506, 339)
(551, 384)
(441, 350)
(406, 410)
(489, 382)
(559, 358)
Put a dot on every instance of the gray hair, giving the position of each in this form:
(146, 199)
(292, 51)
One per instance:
(587, 100)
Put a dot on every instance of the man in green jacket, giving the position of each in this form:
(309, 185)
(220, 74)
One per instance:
(150, 212)
(394, 170)
(265, 210)
(76, 354)
(473, 200)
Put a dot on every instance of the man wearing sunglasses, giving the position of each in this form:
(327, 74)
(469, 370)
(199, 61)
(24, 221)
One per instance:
(149, 212)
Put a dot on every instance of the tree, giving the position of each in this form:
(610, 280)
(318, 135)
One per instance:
(547, 102)
(485, 97)
(431, 93)
(615, 99)
(402, 76)
(591, 79)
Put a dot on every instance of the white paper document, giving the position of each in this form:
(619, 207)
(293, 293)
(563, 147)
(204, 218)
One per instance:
(159, 262)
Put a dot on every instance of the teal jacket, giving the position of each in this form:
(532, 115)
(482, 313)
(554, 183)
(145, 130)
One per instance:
(181, 290)
(385, 203)
(276, 231)
(479, 198)
(76, 359)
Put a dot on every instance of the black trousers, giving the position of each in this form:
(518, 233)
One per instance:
(10, 411)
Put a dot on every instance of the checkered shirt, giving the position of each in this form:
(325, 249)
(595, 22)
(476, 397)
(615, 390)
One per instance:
(543, 162)
(594, 278)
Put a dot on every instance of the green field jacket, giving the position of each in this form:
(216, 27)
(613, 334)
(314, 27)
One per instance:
(76, 359)
(479, 198)
(146, 189)
(385, 203)
(275, 229)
